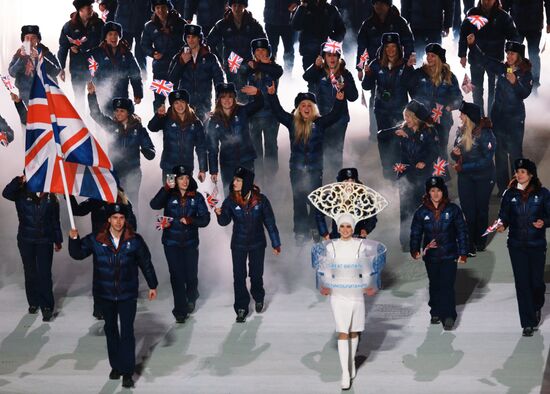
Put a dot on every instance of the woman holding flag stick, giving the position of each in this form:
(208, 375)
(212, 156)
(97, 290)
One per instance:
(440, 237)
(525, 211)
(185, 211)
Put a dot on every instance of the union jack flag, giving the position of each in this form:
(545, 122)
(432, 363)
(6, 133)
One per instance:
(104, 15)
(334, 81)
(55, 136)
(332, 46)
(439, 167)
(163, 222)
(399, 168)
(162, 87)
(477, 20)
(234, 62)
(437, 113)
(493, 227)
(93, 66)
(431, 245)
(467, 86)
(212, 198)
(7, 82)
(77, 41)
(363, 59)
(4, 139)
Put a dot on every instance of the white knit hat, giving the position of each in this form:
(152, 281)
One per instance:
(346, 218)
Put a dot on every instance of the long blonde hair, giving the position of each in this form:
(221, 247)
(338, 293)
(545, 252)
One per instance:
(466, 136)
(302, 127)
(441, 72)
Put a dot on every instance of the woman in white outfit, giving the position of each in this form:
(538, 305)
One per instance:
(348, 268)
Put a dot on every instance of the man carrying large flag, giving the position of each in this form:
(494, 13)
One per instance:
(61, 157)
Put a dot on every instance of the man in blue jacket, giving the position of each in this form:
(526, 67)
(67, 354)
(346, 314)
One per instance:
(196, 69)
(118, 252)
(235, 31)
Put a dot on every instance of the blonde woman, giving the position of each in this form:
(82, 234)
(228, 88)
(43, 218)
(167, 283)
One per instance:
(474, 152)
(306, 128)
(435, 86)
(418, 150)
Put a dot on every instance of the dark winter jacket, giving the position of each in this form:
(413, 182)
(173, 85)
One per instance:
(428, 14)
(309, 155)
(249, 221)
(127, 144)
(23, 69)
(424, 90)
(82, 37)
(262, 77)
(232, 142)
(491, 37)
(115, 71)
(479, 159)
(519, 210)
(528, 14)
(419, 147)
(354, 12)
(178, 143)
(133, 14)
(372, 29)
(166, 41)
(191, 207)
(276, 12)
(197, 77)
(110, 8)
(98, 211)
(316, 24)
(208, 12)
(116, 269)
(325, 90)
(446, 226)
(508, 98)
(38, 214)
(235, 40)
(391, 86)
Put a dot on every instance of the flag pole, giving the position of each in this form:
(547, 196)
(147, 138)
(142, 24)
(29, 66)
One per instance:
(66, 189)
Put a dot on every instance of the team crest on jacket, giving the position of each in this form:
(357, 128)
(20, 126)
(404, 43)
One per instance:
(173, 125)
(175, 202)
(513, 199)
(426, 217)
(446, 215)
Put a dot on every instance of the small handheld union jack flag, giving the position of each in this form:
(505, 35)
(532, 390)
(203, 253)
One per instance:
(93, 66)
(212, 198)
(77, 41)
(7, 82)
(162, 87)
(399, 168)
(467, 86)
(163, 222)
(334, 81)
(439, 167)
(478, 21)
(234, 62)
(431, 245)
(4, 139)
(332, 46)
(493, 227)
(363, 59)
(104, 15)
(437, 113)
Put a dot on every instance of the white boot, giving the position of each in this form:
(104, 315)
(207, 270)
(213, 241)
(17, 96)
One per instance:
(343, 352)
(353, 342)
